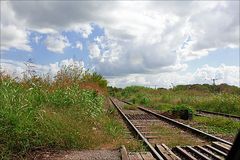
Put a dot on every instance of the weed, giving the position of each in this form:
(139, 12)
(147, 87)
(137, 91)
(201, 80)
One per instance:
(130, 107)
(64, 113)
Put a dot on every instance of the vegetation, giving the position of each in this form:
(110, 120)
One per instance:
(70, 110)
(222, 127)
(219, 125)
(220, 98)
(182, 111)
(64, 112)
(130, 107)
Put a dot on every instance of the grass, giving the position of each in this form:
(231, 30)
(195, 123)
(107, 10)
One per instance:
(218, 125)
(220, 98)
(205, 97)
(163, 107)
(66, 112)
(122, 138)
(130, 107)
(173, 137)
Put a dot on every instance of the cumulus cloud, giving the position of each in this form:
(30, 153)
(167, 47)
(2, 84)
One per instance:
(84, 29)
(13, 37)
(37, 39)
(13, 33)
(139, 37)
(17, 68)
(94, 51)
(203, 75)
(56, 43)
(223, 74)
(79, 45)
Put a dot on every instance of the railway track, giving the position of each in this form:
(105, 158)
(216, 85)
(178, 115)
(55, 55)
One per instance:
(146, 124)
(208, 113)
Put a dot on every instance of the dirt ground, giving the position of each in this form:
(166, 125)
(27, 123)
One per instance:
(77, 155)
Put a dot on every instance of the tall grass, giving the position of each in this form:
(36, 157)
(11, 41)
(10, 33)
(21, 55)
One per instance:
(66, 112)
(206, 97)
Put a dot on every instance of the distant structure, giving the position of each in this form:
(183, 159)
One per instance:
(214, 81)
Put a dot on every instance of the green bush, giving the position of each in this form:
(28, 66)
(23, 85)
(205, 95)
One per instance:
(182, 111)
(144, 101)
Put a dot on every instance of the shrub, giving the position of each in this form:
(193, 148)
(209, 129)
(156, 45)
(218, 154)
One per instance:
(144, 101)
(182, 111)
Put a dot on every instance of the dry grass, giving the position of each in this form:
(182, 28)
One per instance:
(172, 136)
(130, 107)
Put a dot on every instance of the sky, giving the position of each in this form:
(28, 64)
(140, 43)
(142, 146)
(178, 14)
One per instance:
(149, 43)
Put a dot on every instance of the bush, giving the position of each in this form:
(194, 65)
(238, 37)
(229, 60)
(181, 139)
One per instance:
(144, 101)
(182, 111)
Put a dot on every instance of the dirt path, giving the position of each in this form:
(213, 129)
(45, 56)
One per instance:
(79, 155)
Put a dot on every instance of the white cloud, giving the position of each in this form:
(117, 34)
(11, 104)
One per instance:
(56, 43)
(13, 33)
(140, 37)
(13, 37)
(16, 68)
(223, 74)
(79, 45)
(203, 75)
(94, 51)
(37, 39)
(84, 29)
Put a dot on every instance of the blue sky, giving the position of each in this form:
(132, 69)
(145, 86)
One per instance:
(130, 43)
(41, 55)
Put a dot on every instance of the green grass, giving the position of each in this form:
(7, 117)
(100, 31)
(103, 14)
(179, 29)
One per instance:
(218, 125)
(163, 107)
(221, 98)
(200, 98)
(68, 113)
(130, 107)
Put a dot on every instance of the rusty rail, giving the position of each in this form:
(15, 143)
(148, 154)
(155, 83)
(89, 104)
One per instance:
(184, 126)
(152, 149)
(219, 114)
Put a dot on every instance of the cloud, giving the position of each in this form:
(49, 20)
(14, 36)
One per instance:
(84, 29)
(139, 37)
(13, 34)
(203, 75)
(37, 38)
(79, 45)
(13, 37)
(223, 74)
(56, 43)
(94, 51)
(17, 68)
(205, 32)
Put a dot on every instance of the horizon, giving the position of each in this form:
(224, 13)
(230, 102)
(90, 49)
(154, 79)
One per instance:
(151, 43)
